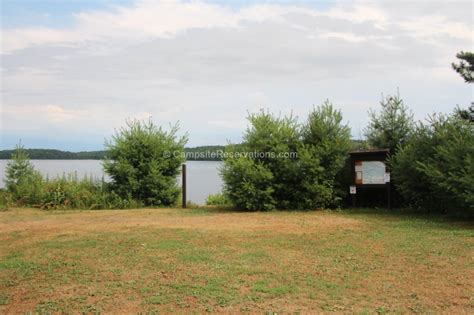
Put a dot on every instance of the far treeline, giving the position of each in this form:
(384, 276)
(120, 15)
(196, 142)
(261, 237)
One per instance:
(431, 163)
(200, 153)
(52, 154)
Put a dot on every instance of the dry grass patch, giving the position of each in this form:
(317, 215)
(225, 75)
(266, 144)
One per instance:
(168, 260)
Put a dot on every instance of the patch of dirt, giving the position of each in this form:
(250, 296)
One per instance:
(120, 220)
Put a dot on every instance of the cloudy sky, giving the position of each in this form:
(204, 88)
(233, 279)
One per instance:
(73, 71)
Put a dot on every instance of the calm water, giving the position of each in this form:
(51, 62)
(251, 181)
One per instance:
(202, 176)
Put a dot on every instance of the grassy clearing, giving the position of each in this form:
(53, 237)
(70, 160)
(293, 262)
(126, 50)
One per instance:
(168, 260)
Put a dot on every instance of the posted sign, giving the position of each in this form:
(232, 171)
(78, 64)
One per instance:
(370, 172)
(370, 175)
(353, 190)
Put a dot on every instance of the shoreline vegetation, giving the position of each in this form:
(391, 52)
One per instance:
(54, 154)
(199, 153)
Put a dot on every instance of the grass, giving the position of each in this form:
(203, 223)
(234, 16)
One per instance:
(204, 260)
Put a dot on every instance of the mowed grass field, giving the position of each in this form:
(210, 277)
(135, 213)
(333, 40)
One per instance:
(205, 260)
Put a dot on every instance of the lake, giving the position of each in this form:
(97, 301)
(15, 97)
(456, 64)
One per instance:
(203, 177)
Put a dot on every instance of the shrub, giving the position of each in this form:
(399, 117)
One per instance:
(22, 180)
(69, 192)
(249, 184)
(261, 180)
(327, 141)
(30, 190)
(143, 162)
(434, 170)
(27, 187)
(19, 170)
(272, 176)
(6, 200)
(218, 200)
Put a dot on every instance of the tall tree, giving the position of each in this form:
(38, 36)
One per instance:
(465, 67)
(391, 127)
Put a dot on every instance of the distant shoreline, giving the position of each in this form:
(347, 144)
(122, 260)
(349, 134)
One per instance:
(52, 154)
(199, 153)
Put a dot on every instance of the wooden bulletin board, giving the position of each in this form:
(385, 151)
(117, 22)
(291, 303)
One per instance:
(369, 171)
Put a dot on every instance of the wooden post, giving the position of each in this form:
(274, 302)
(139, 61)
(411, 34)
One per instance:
(389, 195)
(183, 184)
(353, 192)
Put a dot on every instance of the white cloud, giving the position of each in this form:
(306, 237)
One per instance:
(350, 37)
(206, 65)
(149, 19)
(358, 13)
(15, 117)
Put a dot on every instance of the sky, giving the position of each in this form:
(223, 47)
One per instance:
(72, 72)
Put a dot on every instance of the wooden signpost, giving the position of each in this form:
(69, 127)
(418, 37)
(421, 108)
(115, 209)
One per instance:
(183, 184)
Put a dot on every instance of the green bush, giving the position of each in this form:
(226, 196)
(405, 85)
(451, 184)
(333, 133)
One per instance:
(6, 200)
(20, 175)
(249, 184)
(288, 166)
(434, 170)
(143, 162)
(218, 200)
(26, 187)
(29, 190)
(260, 180)
(70, 193)
(326, 143)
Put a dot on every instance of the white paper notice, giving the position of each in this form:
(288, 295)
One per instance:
(373, 172)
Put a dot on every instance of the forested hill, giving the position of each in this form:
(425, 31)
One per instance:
(201, 153)
(51, 154)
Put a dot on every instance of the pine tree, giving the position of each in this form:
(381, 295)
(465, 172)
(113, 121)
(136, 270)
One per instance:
(391, 127)
(18, 168)
(466, 65)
